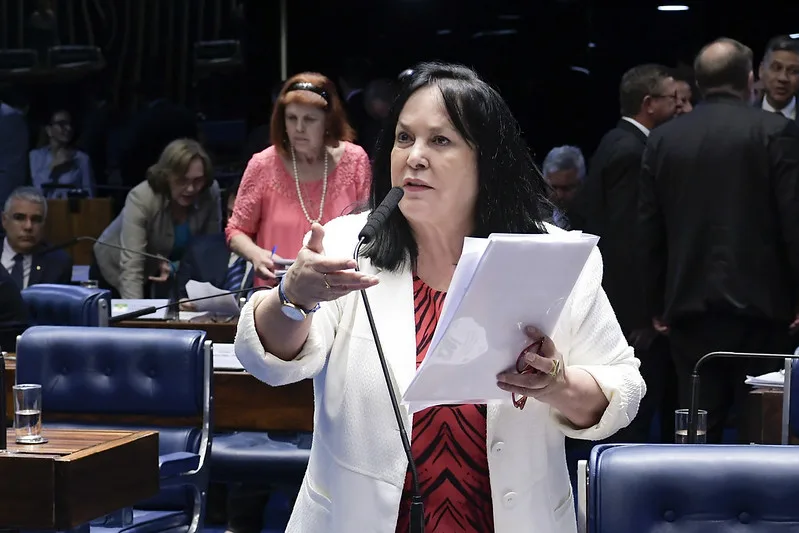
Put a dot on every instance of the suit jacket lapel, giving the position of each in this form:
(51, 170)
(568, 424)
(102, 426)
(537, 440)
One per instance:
(37, 270)
(392, 306)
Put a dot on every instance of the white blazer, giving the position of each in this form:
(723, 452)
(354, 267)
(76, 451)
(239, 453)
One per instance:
(357, 467)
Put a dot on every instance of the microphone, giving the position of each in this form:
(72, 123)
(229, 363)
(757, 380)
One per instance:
(374, 223)
(152, 309)
(173, 276)
(378, 217)
(693, 416)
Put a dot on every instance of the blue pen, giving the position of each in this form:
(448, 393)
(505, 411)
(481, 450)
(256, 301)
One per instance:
(274, 249)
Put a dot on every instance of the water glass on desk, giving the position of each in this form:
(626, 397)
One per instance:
(28, 413)
(681, 426)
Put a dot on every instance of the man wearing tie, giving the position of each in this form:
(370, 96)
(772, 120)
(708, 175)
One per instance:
(779, 72)
(23, 254)
(208, 259)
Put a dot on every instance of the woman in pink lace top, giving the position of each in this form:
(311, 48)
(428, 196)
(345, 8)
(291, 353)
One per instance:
(312, 173)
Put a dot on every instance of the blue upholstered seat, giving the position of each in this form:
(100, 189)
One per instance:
(66, 305)
(649, 488)
(141, 373)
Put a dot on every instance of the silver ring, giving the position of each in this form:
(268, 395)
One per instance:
(327, 284)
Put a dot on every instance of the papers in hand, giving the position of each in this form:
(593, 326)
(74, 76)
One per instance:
(500, 285)
(770, 380)
(223, 304)
(120, 307)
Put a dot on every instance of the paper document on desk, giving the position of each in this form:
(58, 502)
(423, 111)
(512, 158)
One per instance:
(120, 307)
(225, 357)
(224, 304)
(770, 380)
(500, 285)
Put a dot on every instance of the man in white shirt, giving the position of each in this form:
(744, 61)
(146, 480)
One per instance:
(25, 256)
(779, 72)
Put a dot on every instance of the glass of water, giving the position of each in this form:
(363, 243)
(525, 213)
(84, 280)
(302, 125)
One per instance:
(28, 414)
(681, 426)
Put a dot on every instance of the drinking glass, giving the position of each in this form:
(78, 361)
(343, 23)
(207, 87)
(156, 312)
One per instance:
(681, 426)
(28, 413)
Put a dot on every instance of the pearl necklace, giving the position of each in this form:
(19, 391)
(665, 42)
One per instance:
(299, 192)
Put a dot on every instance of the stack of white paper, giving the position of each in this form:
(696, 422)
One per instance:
(223, 304)
(770, 380)
(500, 285)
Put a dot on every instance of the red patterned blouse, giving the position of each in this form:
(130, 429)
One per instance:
(449, 447)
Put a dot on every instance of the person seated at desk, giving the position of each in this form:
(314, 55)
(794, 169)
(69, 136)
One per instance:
(57, 168)
(25, 255)
(178, 201)
(208, 259)
(13, 314)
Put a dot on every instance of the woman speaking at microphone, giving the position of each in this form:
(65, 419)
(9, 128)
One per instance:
(454, 147)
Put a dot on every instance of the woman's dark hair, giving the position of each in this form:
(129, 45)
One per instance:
(510, 188)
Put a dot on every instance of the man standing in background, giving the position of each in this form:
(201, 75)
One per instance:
(719, 231)
(564, 172)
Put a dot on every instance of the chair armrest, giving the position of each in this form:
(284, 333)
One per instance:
(582, 496)
(178, 463)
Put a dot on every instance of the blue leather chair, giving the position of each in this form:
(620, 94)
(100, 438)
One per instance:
(135, 373)
(66, 305)
(273, 459)
(648, 488)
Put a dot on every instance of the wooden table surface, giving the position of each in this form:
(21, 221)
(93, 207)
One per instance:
(241, 402)
(77, 476)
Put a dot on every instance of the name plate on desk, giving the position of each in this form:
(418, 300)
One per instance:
(120, 307)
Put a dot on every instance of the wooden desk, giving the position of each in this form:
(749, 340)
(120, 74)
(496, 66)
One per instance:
(221, 332)
(762, 417)
(76, 477)
(241, 402)
(90, 217)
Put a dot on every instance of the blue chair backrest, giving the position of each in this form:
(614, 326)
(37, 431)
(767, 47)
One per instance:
(652, 488)
(117, 374)
(66, 305)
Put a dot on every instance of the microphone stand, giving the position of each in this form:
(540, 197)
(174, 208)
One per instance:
(417, 504)
(693, 411)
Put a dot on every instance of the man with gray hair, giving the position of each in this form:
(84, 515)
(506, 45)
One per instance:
(24, 253)
(564, 171)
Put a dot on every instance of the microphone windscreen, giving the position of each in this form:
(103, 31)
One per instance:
(379, 216)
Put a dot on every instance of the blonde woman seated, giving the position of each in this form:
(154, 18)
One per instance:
(178, 201)
(455, 148)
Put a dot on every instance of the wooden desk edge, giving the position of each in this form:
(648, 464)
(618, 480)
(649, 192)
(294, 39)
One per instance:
(131, 437)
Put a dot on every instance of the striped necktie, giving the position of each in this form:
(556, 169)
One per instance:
(235, 274)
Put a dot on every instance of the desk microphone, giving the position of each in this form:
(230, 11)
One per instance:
(693, 416)
(173, 276)
(153, 308)
(374, 223)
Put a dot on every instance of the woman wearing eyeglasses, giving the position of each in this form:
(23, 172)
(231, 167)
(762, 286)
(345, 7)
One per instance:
(57, 167)
(454, 147)
(179, 200)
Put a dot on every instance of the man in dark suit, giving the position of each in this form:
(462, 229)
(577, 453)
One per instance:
(12, 312)
(719, 231)
(779, 74)
(608, 206)
(208, 259)
(24, 254)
